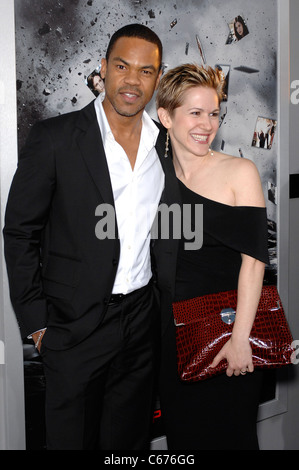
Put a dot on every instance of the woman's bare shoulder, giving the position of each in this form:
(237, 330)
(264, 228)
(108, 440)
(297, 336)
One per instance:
(244, 179)
(240, 164)
(238, 167)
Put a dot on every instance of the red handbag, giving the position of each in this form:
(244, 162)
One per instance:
(204, 324)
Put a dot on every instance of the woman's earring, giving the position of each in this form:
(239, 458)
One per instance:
(166, 145)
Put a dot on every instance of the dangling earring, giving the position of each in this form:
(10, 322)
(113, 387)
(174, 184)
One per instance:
(166, 145)
(211, 152)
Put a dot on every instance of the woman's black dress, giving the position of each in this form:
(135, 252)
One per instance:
(220, 412)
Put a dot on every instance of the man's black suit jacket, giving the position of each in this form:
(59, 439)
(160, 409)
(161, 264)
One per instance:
(60, 274)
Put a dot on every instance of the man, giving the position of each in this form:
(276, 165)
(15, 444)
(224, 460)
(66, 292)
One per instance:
(87, 299)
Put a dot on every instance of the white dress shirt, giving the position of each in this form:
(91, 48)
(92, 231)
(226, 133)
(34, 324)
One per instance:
(136, 194)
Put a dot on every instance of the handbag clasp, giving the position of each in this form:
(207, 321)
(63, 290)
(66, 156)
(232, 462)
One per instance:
(228, 315)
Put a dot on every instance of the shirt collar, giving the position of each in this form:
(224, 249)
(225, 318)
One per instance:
(149, 130)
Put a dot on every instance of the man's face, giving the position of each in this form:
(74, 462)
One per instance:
(131, 75)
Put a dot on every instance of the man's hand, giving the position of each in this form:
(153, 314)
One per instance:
(37, 338)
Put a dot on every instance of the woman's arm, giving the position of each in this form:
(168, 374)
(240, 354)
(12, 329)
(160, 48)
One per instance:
(237, 350)
(247, 189)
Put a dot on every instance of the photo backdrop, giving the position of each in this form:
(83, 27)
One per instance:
(60, 42)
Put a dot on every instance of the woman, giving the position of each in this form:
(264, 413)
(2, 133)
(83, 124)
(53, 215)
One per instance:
(240, 28)
(220, 412)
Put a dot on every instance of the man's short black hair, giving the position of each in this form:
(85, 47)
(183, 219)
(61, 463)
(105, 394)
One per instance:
(135, 31)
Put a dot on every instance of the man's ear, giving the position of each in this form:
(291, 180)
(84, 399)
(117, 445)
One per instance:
(164, 117)
(103, 68)
(158, 79)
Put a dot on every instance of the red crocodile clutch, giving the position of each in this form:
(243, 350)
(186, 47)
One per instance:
(204, 324)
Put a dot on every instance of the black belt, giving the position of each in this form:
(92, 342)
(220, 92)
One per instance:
(118, 298)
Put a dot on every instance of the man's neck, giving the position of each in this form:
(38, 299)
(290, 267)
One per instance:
(125, 129)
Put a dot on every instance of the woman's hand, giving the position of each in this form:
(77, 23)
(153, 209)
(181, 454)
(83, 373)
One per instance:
(238, 355)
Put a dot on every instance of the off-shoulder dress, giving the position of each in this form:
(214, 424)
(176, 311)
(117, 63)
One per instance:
(221, 412)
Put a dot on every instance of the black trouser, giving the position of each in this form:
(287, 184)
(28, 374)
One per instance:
(99, 394)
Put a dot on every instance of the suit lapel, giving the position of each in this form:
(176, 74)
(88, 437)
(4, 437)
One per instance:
(171, 195)
(171, 191)
(166, 162)
(92, 150)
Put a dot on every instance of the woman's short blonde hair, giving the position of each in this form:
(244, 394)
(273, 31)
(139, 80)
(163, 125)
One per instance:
(183, 77)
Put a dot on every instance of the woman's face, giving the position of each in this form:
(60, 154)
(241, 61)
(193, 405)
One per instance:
(239, 28)
(193, 126)
(98, 84)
